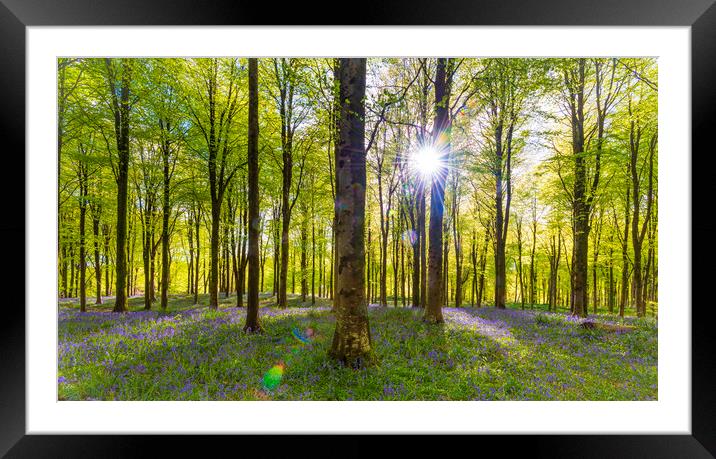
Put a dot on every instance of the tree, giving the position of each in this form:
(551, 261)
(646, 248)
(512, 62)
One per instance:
(217, 94)
(351, 339)
(441, 144)
(638, 229)
(494, 122)
(252, 307)
(83, 176)
(504, 104)
(292, 114)
(168, 114)
(121, 107)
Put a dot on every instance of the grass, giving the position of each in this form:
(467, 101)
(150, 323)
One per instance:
(193, 353)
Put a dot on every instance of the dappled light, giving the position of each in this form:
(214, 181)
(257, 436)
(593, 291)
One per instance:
(383, 228)
(479, 354)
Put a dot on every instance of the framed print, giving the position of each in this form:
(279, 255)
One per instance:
(264, 228)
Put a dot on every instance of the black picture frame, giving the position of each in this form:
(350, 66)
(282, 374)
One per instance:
(16, 15)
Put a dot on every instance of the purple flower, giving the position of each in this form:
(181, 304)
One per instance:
(187, 387)
(61, 380)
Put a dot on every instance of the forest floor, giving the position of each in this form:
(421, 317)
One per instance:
(194, 353)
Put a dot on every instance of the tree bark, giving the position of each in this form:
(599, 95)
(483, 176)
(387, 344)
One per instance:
(483, 263)
(520, 282)
(166, 210)
(97, 263)
(581, 196)
(83, 178)
(433, 309)
(197, 228)
(106, 233)
(351, 340)
(533, 274)
(457, 240)
(243, 258)
(252, 300)
(121, 109)
(304, 259)
(313, 256)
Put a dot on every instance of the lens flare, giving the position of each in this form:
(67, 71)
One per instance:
(304, 338)
(272, 378)
(411, 237)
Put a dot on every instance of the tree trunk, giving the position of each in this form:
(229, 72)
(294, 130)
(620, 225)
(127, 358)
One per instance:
(457, 240)
(402, 266)
(214, 254)
(446, 251)
(417, 254)
(384, 262)
(580, 203)
(533, 274)
(520, 281)
(610, 299)
(625, 260)
(121, 108)
(65, 270)
(313, 259)
(501, 222)
(97, 264)
(502, 215)
(107, 236)
(197, 228)
(433, 309)
(243, 259)
(483, 263)
(351, 340)
(304, 259)
(190, 268)
(153, 259)
(166, 210)
(252, 300)
(473, 259)
(396, 261)
(423, 246)
(283, 279)
(83, 254)
(146, 261)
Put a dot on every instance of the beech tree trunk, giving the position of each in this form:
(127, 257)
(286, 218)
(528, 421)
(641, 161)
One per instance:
(483, 263)
(313, 259)
(97, 264)
(243, 258)
(533, 274)
(433, 309)
(457, 240)
(581, 196)
(351, 341)
(252, 300)
(166, 210)
(106, 233)
(502, 110)
(520, 277)
(197, 227)
(83, 255)
(304, 259)
(120, 109)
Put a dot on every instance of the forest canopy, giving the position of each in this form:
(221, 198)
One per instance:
(488, 181)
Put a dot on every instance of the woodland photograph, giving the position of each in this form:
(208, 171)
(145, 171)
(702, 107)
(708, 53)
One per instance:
(380, 229)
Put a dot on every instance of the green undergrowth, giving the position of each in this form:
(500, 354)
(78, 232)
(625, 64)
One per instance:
(191, 352)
